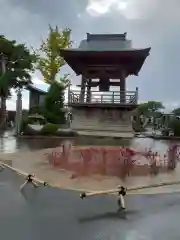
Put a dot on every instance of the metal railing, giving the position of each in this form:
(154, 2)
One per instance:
(111, 97)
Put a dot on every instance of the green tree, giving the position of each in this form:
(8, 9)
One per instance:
(17, 63)
(176, 111)
(174, 125)
(49, 63)
(49, 60)
(150, 108)
(54, 103)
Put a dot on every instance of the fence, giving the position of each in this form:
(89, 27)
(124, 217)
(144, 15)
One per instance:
(111, 97)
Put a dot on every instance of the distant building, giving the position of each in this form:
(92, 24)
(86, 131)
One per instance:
(36, 96)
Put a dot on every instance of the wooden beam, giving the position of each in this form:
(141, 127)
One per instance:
(96, 84)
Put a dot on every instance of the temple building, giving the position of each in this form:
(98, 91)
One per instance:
(104, 60)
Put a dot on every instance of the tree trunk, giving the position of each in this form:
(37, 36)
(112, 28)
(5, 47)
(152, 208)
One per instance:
(3, 116)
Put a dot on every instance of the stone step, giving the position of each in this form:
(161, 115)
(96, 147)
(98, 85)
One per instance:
(100, 127)
(106, 134)
(119, 128)
(103, 130)
(102, 123)
(99, 124)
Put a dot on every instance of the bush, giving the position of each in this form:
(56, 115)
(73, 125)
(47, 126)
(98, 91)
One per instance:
(54, 103)
(49, 129)
(55, 117)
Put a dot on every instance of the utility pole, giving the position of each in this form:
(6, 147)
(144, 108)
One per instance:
(18, 112)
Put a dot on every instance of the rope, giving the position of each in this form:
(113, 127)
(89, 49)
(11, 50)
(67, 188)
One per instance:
(37, 180)
(24, 174)
(154, 186)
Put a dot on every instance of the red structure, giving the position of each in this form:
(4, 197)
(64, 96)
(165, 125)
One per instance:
(104, 60)
(113, 161)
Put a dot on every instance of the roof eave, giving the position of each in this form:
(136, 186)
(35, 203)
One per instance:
(67, 53)
(33, 88)
(64, 52)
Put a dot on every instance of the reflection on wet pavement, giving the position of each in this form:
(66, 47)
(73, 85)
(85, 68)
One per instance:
(9, 143)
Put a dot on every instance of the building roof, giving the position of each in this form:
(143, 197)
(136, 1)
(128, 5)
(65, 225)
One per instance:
(33, 88)
(104, 43)
(79, 60)
(105, 49)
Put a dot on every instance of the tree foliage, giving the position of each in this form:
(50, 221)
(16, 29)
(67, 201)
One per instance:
(52, 109)
(149, 108)
(174, 125)
(49, 59)
(49, 129)
(19, 63)
(16, 63)
(176, 111)
(54, 103)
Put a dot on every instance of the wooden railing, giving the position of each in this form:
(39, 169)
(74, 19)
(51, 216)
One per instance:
(111, 97)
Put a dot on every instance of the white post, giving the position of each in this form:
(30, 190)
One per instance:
(18, 112)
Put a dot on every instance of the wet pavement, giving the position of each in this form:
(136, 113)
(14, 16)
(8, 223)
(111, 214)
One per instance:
(48, 213)
(9, 143)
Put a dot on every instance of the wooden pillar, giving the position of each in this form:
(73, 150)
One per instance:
(122, 87)
(88, 97)
(83, 89)
(18, 112)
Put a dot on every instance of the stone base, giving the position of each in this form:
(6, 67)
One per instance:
(106, 134)
(95, 119)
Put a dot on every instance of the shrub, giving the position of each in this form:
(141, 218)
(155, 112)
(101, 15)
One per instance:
(54, 117)
(36, 119)
(49, 129)
(54, 103)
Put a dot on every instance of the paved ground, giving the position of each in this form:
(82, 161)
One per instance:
(48, 213)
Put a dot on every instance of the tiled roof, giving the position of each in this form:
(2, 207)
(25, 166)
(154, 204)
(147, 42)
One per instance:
(105, 42)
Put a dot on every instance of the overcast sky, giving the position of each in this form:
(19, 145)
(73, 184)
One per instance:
(153, 23)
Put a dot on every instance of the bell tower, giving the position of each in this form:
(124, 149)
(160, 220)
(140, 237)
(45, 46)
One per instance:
(104, 60)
